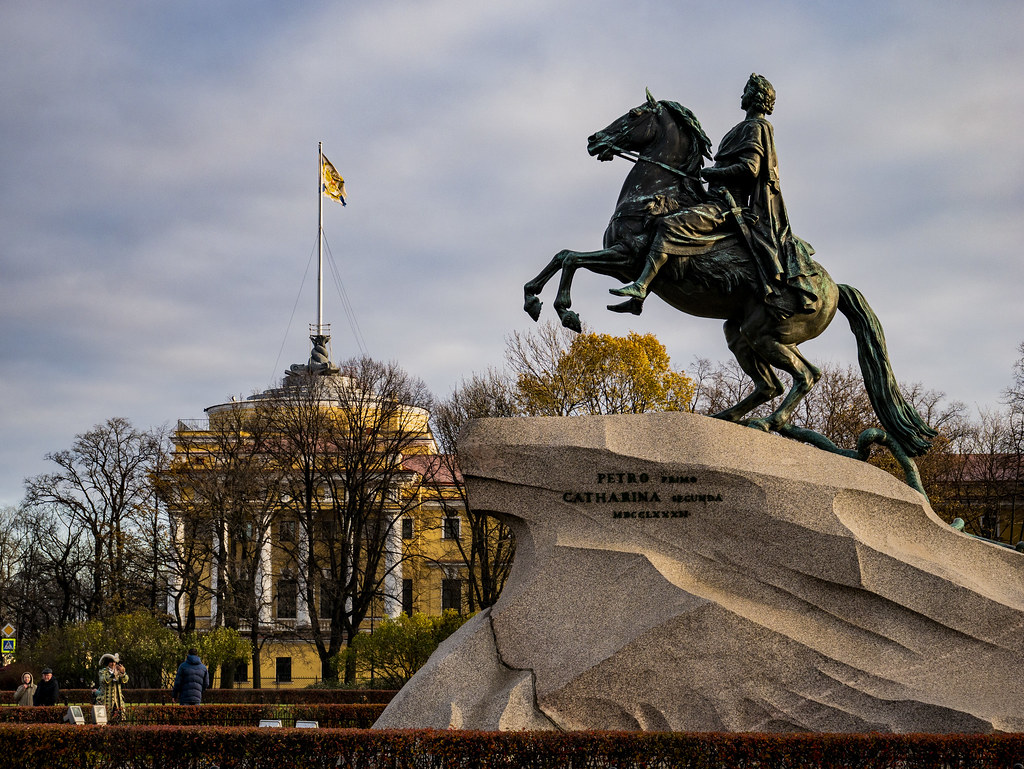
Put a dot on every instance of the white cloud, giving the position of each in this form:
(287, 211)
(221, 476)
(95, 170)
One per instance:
(157, 208)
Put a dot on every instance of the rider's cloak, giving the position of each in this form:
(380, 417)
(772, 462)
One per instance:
(748, 156)
(749, 168)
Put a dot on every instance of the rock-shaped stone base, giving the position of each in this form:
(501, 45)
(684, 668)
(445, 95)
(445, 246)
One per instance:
(675, 572)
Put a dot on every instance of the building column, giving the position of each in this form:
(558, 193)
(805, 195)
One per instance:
(214, 580)
(265, 582)
(174, 584)
(393, 567)
(302, 567)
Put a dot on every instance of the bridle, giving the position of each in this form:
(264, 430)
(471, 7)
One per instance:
(636, 157)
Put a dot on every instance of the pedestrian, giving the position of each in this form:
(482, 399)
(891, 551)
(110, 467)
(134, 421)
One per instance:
(191, 680)
(112, 679)
(25, 693)
(48, 689)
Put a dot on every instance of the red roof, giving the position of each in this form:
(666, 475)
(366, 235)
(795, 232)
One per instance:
(436, 468)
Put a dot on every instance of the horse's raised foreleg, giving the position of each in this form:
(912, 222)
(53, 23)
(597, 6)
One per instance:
(766, 383)
(532, 303)
(607, 261)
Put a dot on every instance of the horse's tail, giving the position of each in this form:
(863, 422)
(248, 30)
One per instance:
(898, 417)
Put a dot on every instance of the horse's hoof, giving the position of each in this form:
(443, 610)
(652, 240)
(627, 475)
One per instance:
(532, 306)
(760, 424)
(728, 416)
(570, 320)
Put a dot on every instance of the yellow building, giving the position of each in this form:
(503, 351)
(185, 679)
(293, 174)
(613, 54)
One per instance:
(272, 525)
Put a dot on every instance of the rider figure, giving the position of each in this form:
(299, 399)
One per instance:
(746, 168)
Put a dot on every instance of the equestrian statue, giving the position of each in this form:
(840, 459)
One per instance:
(727, 252)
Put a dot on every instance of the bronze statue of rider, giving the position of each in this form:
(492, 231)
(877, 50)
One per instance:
(745, 200)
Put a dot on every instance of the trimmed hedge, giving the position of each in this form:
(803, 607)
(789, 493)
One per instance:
(44, 714)
(297, 696)
(169, 747)
(239, 696)
(339, 716)
(328, 716)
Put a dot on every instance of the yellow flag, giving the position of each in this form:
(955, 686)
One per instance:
(333, 184)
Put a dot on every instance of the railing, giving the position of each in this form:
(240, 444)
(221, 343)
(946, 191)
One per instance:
(269, 682)
(193, 425)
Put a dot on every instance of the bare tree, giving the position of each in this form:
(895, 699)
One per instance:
(490, 548)
(15, 553)
(222, 489)
(719, 385)
(347, 439)
(102, 485)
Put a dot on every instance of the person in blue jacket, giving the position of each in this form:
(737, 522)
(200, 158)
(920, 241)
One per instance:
(191, 680)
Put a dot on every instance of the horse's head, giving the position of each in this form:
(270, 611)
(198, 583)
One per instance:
(645, 125)
(633, 131)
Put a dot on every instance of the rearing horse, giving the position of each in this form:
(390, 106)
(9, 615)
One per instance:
(669, 146)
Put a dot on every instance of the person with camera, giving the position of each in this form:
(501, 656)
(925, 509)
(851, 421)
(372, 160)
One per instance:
(112, 679)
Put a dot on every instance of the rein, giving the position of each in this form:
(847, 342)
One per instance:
(636, 157)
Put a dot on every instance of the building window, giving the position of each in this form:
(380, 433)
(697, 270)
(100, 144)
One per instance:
(326, 604)
(451, 594)
(241, 671)
(452, 527)
(284, 670)
(287, 598)
(328, 529)
(407, 596)
(286, 531)
(407, 528)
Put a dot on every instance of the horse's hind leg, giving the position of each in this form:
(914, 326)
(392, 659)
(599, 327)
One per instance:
(766, 383)
(805, 375)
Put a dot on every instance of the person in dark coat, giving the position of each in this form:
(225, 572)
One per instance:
(191, 680)
(48, 690)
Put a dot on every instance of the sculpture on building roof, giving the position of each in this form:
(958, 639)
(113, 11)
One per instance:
(319, 357)
(728, 252)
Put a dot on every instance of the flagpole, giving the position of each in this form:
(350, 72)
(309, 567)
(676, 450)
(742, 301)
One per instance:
(320, 244)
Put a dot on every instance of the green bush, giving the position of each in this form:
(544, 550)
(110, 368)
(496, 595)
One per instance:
(149, 651)
(217, 647)
(398, 647)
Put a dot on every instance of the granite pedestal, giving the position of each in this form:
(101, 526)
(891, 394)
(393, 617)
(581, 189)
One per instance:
(675, 572)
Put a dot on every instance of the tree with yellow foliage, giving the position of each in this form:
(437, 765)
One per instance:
(558, 373)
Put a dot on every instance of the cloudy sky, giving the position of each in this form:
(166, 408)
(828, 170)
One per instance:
(158, 202)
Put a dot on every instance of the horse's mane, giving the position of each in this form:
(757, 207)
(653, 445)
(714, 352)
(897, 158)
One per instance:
(700, 146)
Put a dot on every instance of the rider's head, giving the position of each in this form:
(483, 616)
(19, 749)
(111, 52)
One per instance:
(761, 94)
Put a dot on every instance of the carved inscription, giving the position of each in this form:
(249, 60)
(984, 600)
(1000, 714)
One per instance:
(642, 495)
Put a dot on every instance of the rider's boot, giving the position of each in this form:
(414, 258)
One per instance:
(638, 289)
(632, 305)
